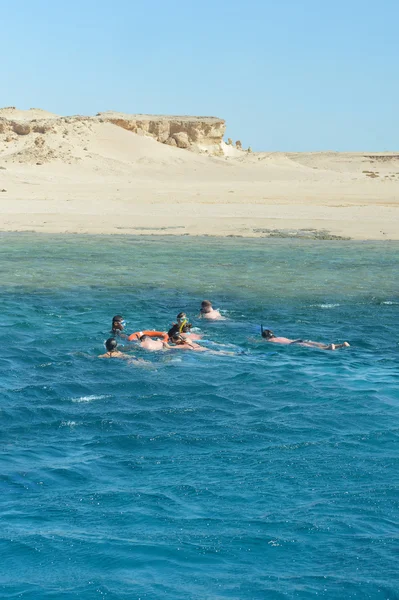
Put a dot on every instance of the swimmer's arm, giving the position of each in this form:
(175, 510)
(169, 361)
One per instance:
(182, 347)
(191, 343)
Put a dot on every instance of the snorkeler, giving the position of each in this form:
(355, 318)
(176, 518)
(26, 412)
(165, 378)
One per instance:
(182, 343)
(111, 346)
(208, 312)
(183, 327)
(149, 344)
(269, 336)
(118, 326)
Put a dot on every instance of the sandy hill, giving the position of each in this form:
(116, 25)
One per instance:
(12, 113)
(90, 174)
(72, 140)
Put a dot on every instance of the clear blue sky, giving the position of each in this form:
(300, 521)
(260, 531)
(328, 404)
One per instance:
(285, 74)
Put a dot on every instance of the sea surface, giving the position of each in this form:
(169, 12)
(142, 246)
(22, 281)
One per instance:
(268, 474)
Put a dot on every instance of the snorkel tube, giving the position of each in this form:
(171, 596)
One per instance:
(182, 323)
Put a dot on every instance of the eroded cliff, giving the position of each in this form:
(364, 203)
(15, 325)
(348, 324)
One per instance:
(203, 135)
(199, 134)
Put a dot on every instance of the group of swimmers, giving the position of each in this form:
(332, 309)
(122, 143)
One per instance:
(181, 337)
(178, 337)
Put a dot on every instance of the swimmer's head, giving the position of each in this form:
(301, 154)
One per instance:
(181, 316)
(267, 334)
(173, 330)
(118, 322)
(206, 306)
(111, 344)
(144, 337)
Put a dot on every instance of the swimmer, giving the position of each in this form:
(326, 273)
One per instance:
(148, 343)
(181, 343)
(208, 312)
(269, 336)
(183, 327)
(182, 323)
(118, 326)
(111, 346)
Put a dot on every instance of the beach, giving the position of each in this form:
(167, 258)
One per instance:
(92, 176)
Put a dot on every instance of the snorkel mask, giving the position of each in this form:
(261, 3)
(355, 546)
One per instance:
(182, 322)
(119, 324)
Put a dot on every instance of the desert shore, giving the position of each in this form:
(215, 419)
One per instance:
(96, 177)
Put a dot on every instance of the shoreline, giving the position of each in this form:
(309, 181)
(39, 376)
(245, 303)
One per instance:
(275, 237)
(214, 225)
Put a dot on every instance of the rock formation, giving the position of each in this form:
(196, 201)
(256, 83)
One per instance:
(199, 134)
(202, 135)
(20, 128)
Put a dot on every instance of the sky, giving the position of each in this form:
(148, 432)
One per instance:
(286, 75)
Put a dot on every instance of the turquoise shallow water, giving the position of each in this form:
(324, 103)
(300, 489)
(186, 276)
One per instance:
(270, 474)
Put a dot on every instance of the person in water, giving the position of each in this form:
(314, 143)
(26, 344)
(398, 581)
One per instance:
(111, 345)
(148, 343)
(118, 326)
(184, 343)
(181, 343)
(208, 312)
(269, 336)
(183, 327)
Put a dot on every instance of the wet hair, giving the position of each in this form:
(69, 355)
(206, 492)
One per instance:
(117, 320)
(144, 337)
(174, 330)
(206, 304)
(111, 344)
(181, 315)
(176, 337)
(267, 333)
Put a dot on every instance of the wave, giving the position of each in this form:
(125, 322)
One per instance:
(90, 398)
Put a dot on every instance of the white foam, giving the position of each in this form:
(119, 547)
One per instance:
(324, 305)
(89, 398)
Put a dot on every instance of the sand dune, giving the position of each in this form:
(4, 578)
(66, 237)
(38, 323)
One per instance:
(10, 112)
(85, 175)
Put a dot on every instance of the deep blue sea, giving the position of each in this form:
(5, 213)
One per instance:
(270, 474)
